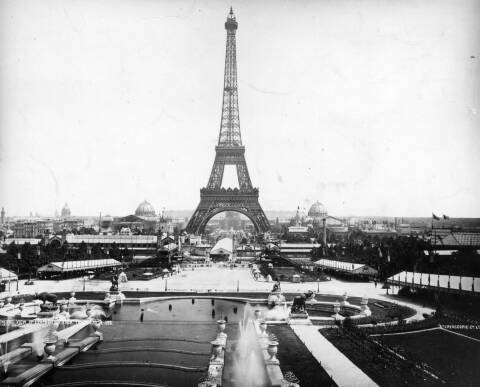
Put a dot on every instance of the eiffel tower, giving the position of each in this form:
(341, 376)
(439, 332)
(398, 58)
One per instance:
(229, 151)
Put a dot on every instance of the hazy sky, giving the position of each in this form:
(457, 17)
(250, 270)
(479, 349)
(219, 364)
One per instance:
(371, 107)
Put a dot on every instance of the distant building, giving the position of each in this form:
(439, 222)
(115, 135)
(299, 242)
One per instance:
(248, 251)
(67, 225)
(21, 241)
(144, 220)
(456, 240)
(298, 230)
(349, 268)
(297, 250)
(317, 212)
(223, 250)
(145, 210)
(407, 229)
(66, 213)
(32, 228)
(141, 246)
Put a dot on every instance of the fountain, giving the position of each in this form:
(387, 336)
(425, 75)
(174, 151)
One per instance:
(275, 297)
(49, 307)
(298, 310)
(310, 297)
(248, 367)
(277, 304)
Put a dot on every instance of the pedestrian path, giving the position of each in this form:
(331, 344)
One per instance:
(335, 363)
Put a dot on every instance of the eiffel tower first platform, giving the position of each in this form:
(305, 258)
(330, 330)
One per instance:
(229, 151)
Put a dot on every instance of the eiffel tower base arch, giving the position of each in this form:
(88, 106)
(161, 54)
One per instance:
(213, 202)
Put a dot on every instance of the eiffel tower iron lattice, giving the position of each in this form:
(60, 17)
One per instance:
(229, 151)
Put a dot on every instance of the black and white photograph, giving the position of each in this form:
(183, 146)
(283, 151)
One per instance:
(275, 193)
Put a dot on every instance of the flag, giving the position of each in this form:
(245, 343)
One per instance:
(388, 256)
(380, 253)
(435, 216)
(446, 217)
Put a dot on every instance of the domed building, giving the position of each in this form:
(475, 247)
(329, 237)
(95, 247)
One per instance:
(317, 210)
(106, 222)
(145, 220)
(145, 210)
(66, 213)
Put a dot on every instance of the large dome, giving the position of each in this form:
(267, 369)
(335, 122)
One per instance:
(66, 211)
(145, 209)
(317, 210)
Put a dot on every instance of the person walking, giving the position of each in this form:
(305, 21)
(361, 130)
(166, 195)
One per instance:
(141, 315)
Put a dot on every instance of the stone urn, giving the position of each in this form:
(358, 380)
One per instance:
(263, 329)
(272, 350)
(2, 304)
(336, 310)
(8, 301)
(263, 335)
(257, 314)
(336, 307)
(217, 349)
(344, 299)
(50, 342)
(364, 309)
(95, 324)
(64, 312)
(221, 328)
(49, 349)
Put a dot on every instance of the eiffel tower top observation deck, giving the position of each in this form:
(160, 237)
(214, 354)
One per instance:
(230, 125)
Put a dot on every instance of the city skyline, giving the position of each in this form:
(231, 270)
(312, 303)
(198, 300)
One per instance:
(373, 115)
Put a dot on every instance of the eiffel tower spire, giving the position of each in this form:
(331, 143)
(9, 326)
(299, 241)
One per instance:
(230, 124)
(229, 151)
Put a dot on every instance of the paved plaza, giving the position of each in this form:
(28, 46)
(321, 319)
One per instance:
(217, 279)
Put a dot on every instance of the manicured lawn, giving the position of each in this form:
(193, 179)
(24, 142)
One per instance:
(454, 358)
(383, 366)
